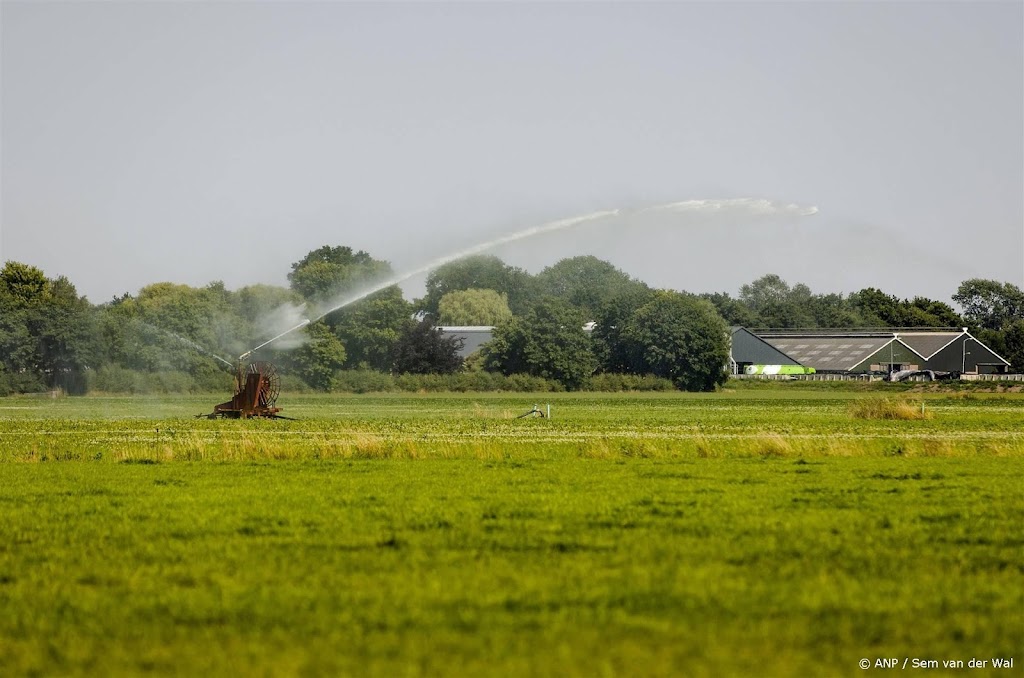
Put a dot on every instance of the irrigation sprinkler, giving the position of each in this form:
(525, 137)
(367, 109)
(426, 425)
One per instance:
(536, 412)
(256, 389)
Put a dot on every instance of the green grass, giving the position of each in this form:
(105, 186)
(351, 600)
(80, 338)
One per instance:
(747, 533)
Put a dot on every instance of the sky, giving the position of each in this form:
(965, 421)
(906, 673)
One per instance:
(198, 141)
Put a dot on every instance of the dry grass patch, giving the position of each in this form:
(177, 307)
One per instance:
(889, 408)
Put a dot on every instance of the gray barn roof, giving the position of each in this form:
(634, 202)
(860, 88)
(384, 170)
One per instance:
(830, 353)
(837, 350)
(473, 336)
(929, 343)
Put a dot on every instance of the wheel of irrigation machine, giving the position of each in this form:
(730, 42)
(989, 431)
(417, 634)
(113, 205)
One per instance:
(271, 378)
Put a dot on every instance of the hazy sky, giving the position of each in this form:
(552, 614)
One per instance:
(192, 142)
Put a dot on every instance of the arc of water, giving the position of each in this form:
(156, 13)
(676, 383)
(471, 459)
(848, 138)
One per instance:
(201, 349)
(751, 205)
(353, 297)
(469, 251)
(273, 339)
(187, 342)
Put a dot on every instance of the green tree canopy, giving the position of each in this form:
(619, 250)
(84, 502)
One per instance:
(548, 341)
(317, 360)
(680, 337)
(776, 304)
(834, 310)
(254, 302)
(586, 282)
(422, 349)
(1013, 345)
(611, 320)
(369, 328)
(733, 311)
(473, 307)
(47, 331)
(23, 285)
(329, 271)
(989, 304)
(478, 272)
(886, 310)
(173, 327)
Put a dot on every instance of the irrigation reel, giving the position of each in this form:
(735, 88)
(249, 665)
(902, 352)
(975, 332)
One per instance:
(256, 389)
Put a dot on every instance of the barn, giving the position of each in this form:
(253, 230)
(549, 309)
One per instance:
(746, 348)
(955, 351)
(859, 352)
(473, 336)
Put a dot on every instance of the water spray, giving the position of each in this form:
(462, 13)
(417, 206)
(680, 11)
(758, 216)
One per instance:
(753, 205)
(201, 349)
(188, 342)
(288, 331)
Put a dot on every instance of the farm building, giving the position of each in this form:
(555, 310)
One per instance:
(746, 348)
(473, 336)
(856, 351)
(955, 351)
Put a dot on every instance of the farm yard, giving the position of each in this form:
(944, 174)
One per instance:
(763, 530)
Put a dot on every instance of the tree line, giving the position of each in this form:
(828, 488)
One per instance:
(172, 337)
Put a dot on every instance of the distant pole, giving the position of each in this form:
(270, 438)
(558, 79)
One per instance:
(963, 346)
(549, 410)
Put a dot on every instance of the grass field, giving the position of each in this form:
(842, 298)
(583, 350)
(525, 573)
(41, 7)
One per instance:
(758, 532)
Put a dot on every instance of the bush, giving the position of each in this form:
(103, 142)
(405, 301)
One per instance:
(116, 379)
(362, 381)
(20, 382)
(615, 383)
(293, 383)
(525, 383)
(461, 382)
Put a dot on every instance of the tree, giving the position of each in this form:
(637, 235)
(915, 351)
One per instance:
(548, 341)
(834, 310)
(254, 302)
(17, 347)
(585, 282)
(478, 272)
(318, 359)
(611, 319)
(172, 327)
(330, 271)
(46, 330)
(63, 325)
(24, 285)
(680, 337)
(877, 308)
(370, 327)
(733, 311)
(265, 312)
(776, 304)
(937, 313)
(880, 309)
(989, 304)
(1013, 339)
(473, 307)
(423, 349)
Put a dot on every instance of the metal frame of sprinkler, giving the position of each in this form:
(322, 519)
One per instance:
(537, 412)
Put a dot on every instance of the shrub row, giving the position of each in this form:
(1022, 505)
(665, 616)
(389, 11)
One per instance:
(115, 379)
(370, 381)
